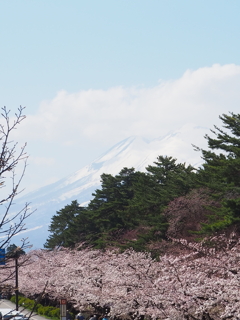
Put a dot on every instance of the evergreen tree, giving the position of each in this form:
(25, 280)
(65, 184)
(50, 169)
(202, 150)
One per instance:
(221, 171)
(169, 180)
(13, 251)
(62, 231)
(128, 201)
(109, 207)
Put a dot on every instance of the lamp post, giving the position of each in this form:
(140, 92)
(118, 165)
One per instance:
(14, 253)
(16, 280)
(16, 256)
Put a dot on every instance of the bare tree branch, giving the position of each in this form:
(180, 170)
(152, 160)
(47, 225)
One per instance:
(13, 162)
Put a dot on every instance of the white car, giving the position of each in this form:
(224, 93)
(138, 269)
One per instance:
(8, 314)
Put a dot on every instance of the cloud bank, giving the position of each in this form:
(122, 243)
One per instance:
(85, 123)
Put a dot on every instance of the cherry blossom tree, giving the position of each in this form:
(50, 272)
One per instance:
(187, 214)
(202, 284)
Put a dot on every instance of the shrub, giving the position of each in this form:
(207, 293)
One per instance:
(50, 312)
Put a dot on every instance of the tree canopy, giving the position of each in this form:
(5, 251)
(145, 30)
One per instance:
(131, 200)
(221, 171)
(14, 251)
(136, 209)
(62, 224)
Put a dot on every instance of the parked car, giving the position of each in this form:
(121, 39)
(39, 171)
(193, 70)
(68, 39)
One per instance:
(8, 314)
(20, 317)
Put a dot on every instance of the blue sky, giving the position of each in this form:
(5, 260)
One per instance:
(83, 68)
(76, 45)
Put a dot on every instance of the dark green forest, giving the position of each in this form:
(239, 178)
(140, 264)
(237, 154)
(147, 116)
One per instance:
(144, 210)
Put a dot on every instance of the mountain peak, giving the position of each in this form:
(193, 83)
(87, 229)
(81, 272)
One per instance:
(134, 151)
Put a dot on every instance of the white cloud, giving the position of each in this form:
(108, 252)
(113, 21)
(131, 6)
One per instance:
(198, 96)
(42, 161)
(96, 119)
(24, 231)
(28, 230)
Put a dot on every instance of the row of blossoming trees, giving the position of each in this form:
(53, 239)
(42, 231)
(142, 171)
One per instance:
(202, 283)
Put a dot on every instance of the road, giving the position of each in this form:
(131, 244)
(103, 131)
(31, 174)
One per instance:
(6, 304)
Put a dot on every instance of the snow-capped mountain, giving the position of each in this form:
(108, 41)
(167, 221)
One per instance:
(132, 152)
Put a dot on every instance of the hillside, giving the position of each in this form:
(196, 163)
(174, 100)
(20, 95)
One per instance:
(134, 152)
(168, 200)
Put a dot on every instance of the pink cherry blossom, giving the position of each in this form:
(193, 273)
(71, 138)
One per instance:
(202, 282)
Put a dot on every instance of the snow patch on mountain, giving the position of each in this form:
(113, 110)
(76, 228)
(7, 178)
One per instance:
(135, 152)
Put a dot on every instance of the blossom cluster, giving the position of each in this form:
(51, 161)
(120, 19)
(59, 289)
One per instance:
(189, 286)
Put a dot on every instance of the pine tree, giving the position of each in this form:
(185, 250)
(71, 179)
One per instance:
(109, 207)
(62, 230)
(221, 171)
(170, 180)
(14, 251)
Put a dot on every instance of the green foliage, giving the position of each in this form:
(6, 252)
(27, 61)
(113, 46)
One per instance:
(110, 209)
(127, 211)
(171, 179)
(28, 303)
(41, 310)
(14, 251)
(48, 311)
(221, 172)
(125, 202)
(60, 228)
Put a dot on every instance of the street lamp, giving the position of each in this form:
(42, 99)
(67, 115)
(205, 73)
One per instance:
(16, 256)
(14, 253)
(16, 281)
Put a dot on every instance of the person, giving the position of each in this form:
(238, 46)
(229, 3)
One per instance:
(80, 316)
(94, 317)
(69, 317)
(1, 316)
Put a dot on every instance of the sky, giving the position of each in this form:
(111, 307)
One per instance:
(92, 73)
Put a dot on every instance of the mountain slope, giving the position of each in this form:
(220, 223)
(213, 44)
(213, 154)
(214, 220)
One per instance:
(132, 152)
